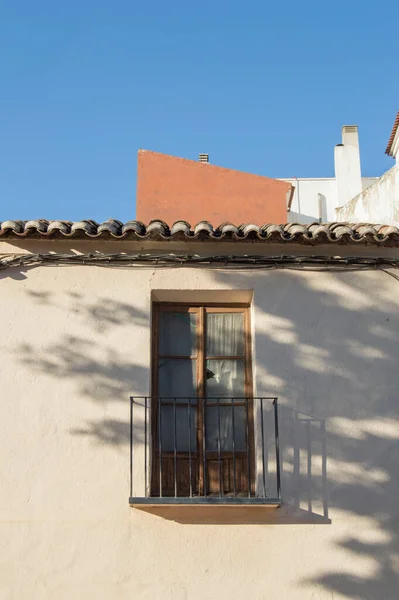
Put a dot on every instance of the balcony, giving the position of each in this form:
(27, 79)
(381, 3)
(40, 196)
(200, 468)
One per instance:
(204, 452)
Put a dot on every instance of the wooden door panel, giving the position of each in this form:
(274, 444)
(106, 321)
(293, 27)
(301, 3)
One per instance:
(182, 476)
(227, 475)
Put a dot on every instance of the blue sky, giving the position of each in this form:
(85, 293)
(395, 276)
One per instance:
(262, 87)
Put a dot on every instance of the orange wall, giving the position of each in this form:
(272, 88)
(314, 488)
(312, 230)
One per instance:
(173, 189)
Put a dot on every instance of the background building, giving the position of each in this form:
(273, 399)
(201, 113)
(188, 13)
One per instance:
(317, 200)
(173, 188)
(379, 203)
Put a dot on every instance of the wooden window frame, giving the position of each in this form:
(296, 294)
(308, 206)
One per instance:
(200, 309)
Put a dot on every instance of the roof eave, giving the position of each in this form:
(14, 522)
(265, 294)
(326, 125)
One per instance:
(157, 231)
(393, 137)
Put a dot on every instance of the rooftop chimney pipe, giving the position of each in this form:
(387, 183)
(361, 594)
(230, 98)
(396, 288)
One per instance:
(347, 165)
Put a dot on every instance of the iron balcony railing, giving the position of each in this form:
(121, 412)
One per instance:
(190, 450)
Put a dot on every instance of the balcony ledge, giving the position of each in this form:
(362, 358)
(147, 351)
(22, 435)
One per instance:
(211, 501)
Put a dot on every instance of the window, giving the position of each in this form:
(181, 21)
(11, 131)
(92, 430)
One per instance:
(202, 412)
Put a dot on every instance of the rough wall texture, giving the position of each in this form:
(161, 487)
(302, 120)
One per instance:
(76, 344)
(315, 199)
(172, 189)
(377, 204)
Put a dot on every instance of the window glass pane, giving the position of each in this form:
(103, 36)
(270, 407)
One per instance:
(225, 378)
(177, 333)
(225, 334)
(226, 428)
(177, 378)
(183, 431)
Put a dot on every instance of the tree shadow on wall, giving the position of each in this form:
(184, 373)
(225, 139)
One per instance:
(326, 345)
(101, 375)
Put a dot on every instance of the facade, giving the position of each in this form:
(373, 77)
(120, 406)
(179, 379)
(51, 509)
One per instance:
(171, 188)
(93, 315)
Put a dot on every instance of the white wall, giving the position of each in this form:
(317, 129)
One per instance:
(377, 204)
(76, 344)
(310, 194)
(318, 199)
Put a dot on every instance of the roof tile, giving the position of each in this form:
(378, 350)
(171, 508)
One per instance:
(392, 136)
(314, 233)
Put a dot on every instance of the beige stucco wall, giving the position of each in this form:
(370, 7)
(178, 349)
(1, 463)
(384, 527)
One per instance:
(76, 344)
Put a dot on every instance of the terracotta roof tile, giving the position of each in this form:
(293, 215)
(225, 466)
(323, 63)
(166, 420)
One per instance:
(392, 136)
(315, 233)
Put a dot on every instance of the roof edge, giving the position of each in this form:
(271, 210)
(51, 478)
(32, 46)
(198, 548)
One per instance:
(394, 131)
(142, 151)
(157, 230)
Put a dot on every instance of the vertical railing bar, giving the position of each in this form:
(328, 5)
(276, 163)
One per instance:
(145, 447)
(234, 448)
(219, 450)
(276, 433)
(160, 445)
(324, 467)
(248, 448)
(189, 447)
(131, 447)
(263, 447)
(204, 446)
(309, 463)
(174, 447)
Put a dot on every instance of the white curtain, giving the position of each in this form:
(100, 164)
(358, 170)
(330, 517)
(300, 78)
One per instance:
(225, 334)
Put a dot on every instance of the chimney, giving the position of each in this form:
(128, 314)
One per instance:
(347, 165)
(204, 158)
